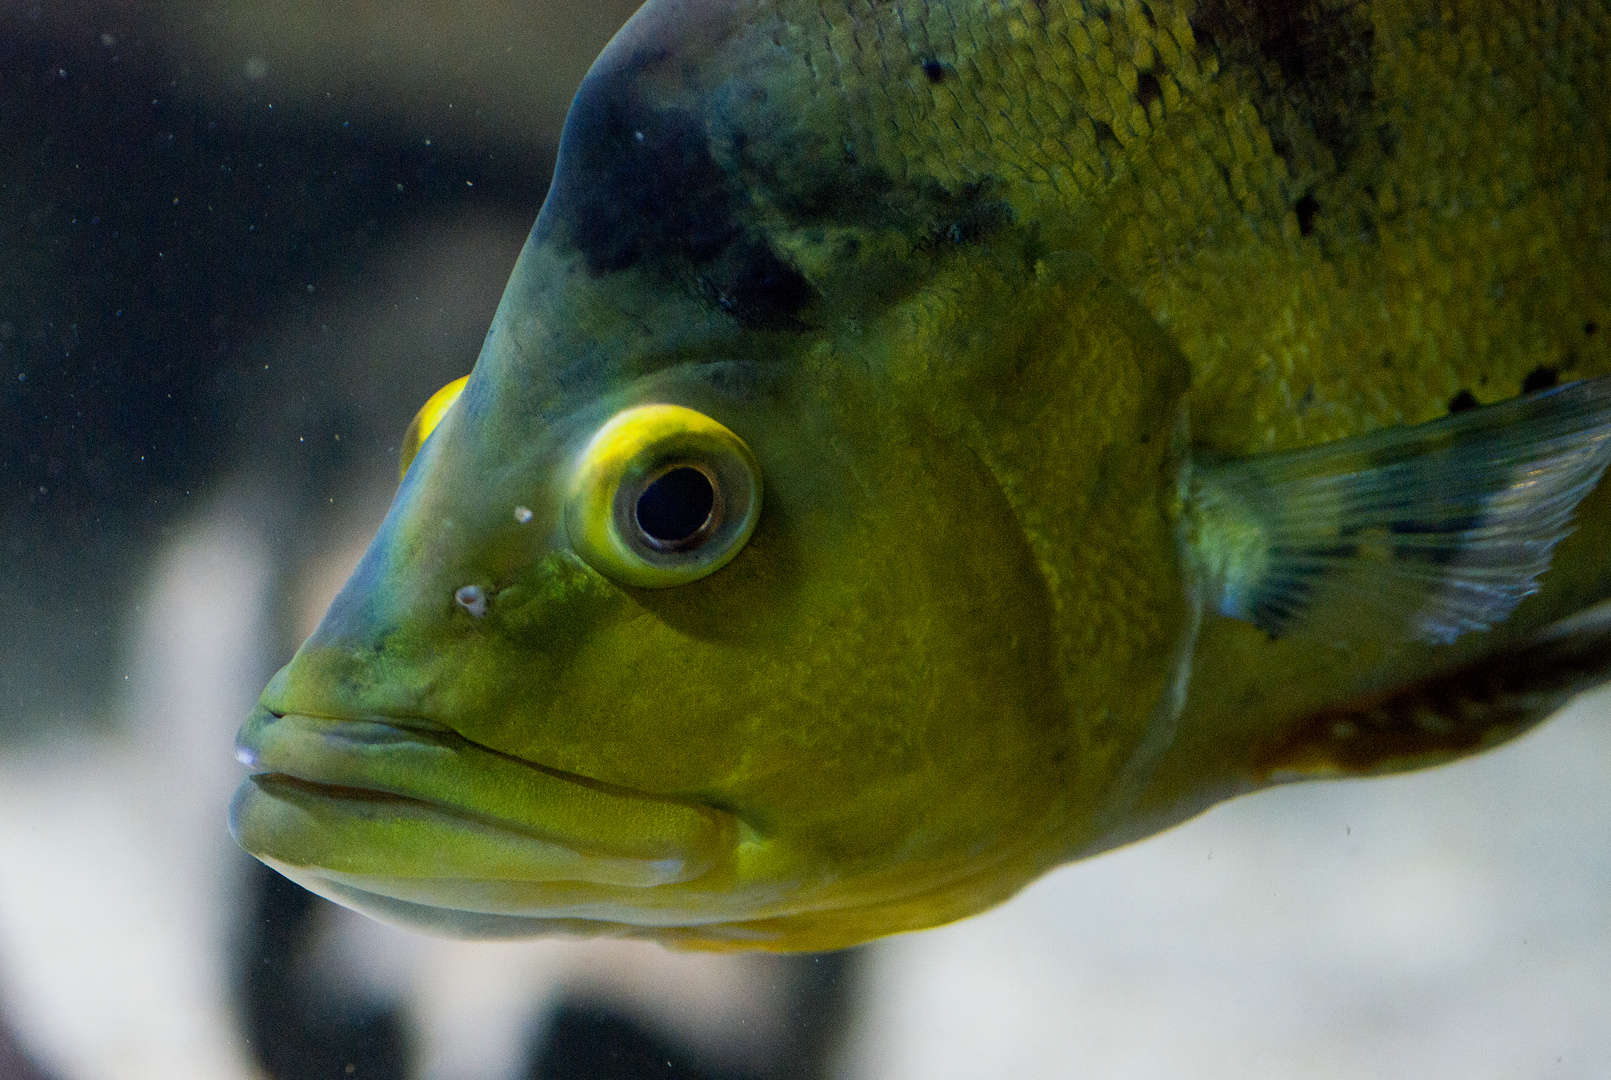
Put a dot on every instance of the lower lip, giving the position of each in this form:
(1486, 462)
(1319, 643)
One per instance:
(376, 834)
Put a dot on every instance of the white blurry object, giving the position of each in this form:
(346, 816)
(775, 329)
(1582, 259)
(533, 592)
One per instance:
(477, 1008)
(115, 898)
(1452, 923)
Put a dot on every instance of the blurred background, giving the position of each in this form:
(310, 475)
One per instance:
(240, 243)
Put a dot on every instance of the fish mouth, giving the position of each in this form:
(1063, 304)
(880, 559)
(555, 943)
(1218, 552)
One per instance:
(407, 809)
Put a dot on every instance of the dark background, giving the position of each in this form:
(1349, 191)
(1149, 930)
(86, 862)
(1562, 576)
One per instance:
(164, 223)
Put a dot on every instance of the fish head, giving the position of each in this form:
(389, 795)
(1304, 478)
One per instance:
(708, 612)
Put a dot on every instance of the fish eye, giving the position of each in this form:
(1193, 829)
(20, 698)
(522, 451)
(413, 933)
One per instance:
(425, 421)
(662, 495)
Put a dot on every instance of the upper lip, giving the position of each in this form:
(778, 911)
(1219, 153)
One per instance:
(422, 762)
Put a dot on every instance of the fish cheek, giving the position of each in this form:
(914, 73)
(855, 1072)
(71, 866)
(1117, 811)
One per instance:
(509, 684)
(660, 692)
(656, 694)
(866, 684)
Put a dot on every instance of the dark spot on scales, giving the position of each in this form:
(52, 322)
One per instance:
(1306, 208)
(975, 220)
(811, 194)
(1312, 63)
(933, 70)
(1462, 401)
(638, 185)
(747, 279)
(1387, 135)
(1147, 88)
(1541, 377)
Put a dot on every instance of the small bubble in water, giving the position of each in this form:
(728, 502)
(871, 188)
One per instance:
(472, 599)
(522, 514)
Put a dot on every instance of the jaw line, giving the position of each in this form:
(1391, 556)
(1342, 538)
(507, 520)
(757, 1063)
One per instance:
(502, 909)
(411, 800)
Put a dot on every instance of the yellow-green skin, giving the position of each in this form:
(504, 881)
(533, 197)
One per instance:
(974, 281)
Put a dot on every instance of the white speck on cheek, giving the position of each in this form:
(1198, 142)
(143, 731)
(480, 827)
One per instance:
(522, 514)
(472, 599)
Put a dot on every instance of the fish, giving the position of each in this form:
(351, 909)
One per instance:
(922, 444)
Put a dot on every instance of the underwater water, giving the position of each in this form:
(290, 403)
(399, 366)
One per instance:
(239, 245)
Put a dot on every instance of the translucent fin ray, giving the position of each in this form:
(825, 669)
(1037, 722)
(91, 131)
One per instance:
(1426, 531)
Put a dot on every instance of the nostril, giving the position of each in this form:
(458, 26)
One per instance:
(472, 599)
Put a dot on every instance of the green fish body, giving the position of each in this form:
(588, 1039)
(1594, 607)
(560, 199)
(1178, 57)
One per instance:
(923, 443)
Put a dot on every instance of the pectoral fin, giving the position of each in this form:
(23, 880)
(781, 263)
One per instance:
(1420, 532)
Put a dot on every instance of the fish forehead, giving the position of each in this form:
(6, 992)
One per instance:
(712, 197)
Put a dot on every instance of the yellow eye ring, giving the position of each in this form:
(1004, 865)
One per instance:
(662, 495)
(425, 421)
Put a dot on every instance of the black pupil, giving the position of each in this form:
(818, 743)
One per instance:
(676, 505)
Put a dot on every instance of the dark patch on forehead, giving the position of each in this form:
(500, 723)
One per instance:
(638, 186)
(700, 191)
(972, 218)
(810, 192)
(641, 184)
(750, 282)
(1312, 63)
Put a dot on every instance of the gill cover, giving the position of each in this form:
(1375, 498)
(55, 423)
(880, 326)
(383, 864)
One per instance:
(662, 495)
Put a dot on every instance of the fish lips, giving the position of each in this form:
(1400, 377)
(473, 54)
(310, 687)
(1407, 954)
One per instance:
(409, 810)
